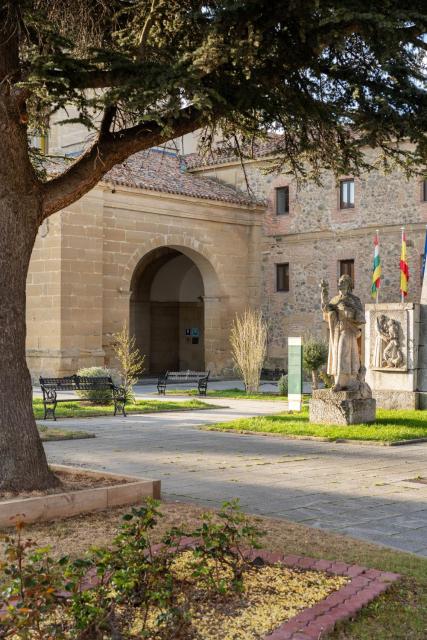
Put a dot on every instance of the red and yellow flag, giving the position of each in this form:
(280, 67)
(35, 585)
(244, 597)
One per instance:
(404, 268)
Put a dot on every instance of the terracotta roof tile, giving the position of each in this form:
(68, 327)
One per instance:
(223, 155)
(166, 172)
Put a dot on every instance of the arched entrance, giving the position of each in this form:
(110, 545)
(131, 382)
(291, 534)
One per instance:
(167, 311)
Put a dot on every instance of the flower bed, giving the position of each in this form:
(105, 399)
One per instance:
(201, 587)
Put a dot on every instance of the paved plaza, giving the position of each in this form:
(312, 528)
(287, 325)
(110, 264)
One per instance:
(357, 490)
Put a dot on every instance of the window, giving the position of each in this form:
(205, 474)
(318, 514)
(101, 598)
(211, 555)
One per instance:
(282, 277)
(282, 201)
(347, 268)
(425, 190)
(347, 194)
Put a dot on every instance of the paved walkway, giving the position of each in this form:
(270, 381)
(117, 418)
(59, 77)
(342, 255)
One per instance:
(361, 491)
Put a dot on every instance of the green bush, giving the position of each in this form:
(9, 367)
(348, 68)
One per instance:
(327, 380)
(129, 590)
(315, 355)
(98, 397)
(282, 385)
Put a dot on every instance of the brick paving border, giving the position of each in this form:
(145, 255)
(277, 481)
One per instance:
(314, 622)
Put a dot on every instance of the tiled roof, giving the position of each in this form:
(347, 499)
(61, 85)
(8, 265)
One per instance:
(166, 172)
(223, 155)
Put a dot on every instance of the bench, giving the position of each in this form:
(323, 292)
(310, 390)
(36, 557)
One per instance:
(272, 374)
(51, 386)
(201, 377)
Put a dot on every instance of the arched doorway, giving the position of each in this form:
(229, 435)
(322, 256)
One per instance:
(167, 311)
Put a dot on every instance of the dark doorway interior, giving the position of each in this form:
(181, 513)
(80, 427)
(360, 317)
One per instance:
(167, 312)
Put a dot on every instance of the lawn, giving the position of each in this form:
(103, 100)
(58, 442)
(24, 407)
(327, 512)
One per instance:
(74, 409)
(401, 614)
(230, 393)
(48, 434)
(391, 426)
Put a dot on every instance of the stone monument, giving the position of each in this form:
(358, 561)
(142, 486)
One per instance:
(422, 352)
(391, 353)
(349, 401)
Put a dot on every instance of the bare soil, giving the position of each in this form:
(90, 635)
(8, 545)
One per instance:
(68, 482)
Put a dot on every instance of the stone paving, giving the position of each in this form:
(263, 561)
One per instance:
(357, 490)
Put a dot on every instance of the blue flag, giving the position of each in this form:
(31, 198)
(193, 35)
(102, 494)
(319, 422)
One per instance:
(423, 265)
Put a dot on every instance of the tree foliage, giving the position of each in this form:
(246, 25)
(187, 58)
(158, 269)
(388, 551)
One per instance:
(315, 355)
(329, 77)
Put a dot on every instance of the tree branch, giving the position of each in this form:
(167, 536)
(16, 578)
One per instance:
(111, 149)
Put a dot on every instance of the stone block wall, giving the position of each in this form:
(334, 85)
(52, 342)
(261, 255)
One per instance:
(80, 278)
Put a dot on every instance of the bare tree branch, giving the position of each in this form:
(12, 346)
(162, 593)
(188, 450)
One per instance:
(111, 149)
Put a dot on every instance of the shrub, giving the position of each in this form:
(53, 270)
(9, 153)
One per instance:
(98, 397)
(130, 361)
(315, 355)
(248, 347)
(130, 590)
(282, 385)
(327, 380)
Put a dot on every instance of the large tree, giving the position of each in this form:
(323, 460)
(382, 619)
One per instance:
(329, 76)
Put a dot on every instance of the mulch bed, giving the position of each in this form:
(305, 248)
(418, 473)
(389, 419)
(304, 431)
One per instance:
(69, 482)
(316, 622)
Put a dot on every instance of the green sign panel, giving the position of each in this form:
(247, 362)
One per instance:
(295, 373)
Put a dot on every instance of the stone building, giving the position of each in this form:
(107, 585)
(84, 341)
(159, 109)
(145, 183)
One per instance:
(175, 246)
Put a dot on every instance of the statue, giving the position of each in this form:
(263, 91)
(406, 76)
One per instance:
(345, 316)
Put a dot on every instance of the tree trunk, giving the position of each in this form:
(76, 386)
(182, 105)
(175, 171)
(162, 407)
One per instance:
(315, 379)
(23, 464)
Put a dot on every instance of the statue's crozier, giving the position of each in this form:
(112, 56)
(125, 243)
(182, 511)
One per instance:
(345, 316)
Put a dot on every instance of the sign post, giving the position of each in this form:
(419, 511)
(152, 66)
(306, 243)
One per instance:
(295, 374)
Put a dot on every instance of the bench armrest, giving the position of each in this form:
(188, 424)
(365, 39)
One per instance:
(49, 395)
(118, 391)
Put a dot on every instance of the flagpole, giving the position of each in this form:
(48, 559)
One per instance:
(402, 295)
(378, 291)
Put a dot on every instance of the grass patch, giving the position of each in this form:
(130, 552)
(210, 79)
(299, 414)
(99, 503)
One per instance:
(74, 409)
(229, 393)
(391, 426)
(48, 434)
(400, 614)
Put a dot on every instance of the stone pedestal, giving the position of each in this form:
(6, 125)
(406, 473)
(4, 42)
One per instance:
(394, 384)
(341, 408)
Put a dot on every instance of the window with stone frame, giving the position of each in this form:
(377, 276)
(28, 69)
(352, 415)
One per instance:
(346, 267)
(424, 191)
(282, 201)
(347, 194)
(282, 277)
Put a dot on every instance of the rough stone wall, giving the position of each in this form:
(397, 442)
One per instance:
(317, 234)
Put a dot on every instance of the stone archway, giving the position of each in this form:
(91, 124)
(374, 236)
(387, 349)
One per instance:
(169, 304)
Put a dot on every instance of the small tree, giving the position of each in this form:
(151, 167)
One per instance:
(315, 355)
(130, 361)
(248, 339)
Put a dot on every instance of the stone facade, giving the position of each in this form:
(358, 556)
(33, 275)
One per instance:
(80, 279)
(316, 235)
(82, 273)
